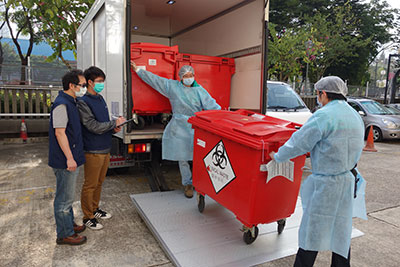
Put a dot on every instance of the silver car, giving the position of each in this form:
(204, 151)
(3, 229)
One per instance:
(385, 121)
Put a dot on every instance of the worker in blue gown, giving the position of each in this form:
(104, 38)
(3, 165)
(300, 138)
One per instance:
(335, 136)
(186, 97)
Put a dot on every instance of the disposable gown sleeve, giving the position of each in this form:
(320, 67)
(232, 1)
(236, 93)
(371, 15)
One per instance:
(207, 102)
(302, 141)
(160, 84)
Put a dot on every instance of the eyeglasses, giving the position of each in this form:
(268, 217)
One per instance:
(82, 85)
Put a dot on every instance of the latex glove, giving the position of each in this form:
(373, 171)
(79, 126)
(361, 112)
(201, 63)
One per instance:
(133, 65)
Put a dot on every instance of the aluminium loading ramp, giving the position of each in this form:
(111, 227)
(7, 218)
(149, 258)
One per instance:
(212, 238)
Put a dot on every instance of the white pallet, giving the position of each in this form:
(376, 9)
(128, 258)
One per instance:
(212, 238)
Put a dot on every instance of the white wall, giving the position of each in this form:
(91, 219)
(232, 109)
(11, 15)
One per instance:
(234, 31)
(246, 83)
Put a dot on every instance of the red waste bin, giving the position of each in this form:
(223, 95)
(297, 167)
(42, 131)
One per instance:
(160, 60)
(213, 73)
(231, 152)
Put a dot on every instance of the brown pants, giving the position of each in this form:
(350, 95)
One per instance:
(95, 172)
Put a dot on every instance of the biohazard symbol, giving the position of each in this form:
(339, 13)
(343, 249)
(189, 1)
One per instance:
(219, 157)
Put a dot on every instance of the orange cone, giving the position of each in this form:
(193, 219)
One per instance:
(23, 133)
(369, 146)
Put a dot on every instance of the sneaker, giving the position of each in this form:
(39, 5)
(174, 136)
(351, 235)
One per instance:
(79, 228)
(73, 240)
(189, 191)
(93, 224)
(102, 214)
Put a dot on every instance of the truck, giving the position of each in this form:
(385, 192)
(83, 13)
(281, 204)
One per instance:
(225, 28)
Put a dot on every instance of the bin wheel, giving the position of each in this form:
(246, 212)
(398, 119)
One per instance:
(200, 203)
(140, 125)
(248, 237)
(281, 225)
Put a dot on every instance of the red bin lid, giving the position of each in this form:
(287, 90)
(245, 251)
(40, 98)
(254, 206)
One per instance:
(245, 127)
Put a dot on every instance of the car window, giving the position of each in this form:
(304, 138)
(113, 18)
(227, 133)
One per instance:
(375, 108)
(355, 106)
(282, 96)
(393, 110)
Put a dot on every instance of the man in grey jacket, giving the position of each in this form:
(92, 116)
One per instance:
(97, 130)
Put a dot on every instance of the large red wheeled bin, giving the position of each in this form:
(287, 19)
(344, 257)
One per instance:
(160, 60)
(212, 73)
(230, 157)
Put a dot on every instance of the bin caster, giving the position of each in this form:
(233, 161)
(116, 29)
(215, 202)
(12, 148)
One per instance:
(281, 225)
(250, 234)
(200, 202)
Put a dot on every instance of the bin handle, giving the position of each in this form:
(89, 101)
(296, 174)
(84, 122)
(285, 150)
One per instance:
(173, 60)
(263, 148)
(140, 52)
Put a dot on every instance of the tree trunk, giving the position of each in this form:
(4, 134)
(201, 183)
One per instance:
(24, 64)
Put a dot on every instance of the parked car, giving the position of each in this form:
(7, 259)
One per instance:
(393, 106)
(385, 121)
(284, 103)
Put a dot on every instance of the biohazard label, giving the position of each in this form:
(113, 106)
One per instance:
(219, 167)
(285, 169)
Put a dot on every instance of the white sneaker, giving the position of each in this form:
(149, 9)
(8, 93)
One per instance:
(100, 214)
(93, 224)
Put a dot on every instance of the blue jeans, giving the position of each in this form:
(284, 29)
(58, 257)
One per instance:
(65, 194)
(186, 173)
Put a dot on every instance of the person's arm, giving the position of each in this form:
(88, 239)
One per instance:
(302, 141)
(158, 83)
(89, 121)
(207, 102)
(62, 140)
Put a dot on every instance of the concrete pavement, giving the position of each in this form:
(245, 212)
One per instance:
(27, 227)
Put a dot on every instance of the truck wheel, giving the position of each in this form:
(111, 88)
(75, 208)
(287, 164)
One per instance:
(281, 225)
(200, 203)
(248, 238)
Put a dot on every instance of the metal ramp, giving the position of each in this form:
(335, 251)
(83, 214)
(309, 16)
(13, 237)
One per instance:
(212, 238)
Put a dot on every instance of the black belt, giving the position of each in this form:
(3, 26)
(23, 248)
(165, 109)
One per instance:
(356, 179)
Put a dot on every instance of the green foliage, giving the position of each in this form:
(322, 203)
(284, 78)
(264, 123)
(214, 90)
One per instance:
(56, 22)
(356, 30)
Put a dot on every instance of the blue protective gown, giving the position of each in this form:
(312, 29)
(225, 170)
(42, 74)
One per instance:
(177, 140)
(335, 137)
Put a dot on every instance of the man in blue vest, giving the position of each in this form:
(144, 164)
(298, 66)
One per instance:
(66, 155)
(97, 130)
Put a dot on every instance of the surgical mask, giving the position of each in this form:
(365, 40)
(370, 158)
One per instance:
(98, 87)
(82, 91)
(319, 103)
(188, 81)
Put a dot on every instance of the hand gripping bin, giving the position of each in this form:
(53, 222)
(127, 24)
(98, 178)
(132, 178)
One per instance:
(160, 60)
(213, 73)
(231, 152)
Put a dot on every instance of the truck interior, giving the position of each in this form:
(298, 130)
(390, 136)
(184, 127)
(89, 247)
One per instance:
(226, 28)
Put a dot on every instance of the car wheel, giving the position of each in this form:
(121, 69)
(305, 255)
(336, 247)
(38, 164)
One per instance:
(377, 133)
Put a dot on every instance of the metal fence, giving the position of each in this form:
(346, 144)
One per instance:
(26, 100)
(41, 74)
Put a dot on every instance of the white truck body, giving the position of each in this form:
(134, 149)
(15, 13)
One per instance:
(229, 28)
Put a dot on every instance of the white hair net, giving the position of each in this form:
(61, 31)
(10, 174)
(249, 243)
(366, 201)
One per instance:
(331, 84)
(185, 69)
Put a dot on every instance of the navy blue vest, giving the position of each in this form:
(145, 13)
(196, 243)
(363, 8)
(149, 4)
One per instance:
(92, 141)
(73, 131)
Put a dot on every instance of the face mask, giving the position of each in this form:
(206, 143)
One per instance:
(98, 87)
(82, 91)
(188, 81)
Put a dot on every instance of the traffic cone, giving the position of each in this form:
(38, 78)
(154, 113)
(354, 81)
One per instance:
(369, 146)
(23, 132)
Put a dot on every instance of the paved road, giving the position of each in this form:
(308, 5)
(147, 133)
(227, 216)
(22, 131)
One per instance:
(27, 227)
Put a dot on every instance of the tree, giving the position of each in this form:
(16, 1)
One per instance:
(21, 17)
(288, 52)
(59, 21)
(374, 22)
